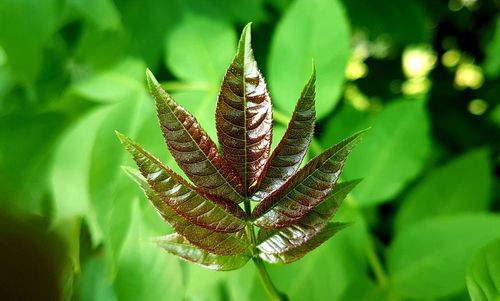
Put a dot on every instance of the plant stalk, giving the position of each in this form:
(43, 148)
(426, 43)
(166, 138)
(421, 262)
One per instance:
(266, 281)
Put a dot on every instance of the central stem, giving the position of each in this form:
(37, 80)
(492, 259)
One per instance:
(266, 281)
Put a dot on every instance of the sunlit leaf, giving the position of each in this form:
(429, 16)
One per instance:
(212, 213)
(305, 189)
(288, 154)
(277, 241)
(244, 115)
(318, 30)
(103, 13)
(215, 242)
(296, 253)
(179, 246)
(439, 248)
(462, 185)
(35, 22)
(392, 154)
(193, 150)
(483, 277)
(144, 271)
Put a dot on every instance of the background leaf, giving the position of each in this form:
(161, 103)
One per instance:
(439, 248)
(304, 32)
(392, 153)
(462, 185)
(483, 277)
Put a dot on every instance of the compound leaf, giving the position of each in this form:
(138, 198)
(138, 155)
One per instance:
(180, 247)
(304, 190)
(192, 148)
(212, 241)
(244, 115)
(296, 253)
(289, 153)
(212, 213)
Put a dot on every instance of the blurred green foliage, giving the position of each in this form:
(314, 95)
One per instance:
(425, 75)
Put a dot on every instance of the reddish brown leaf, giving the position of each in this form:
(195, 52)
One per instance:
(193, 149)
(304, 190)
(298, 252)
(215, 242)
(289, 153)
(295, 235)
(212, 213)
(244, 115)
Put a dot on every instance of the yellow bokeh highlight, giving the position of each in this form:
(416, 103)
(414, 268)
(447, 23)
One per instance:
(469, 75)
(418, 61)
(478, 107)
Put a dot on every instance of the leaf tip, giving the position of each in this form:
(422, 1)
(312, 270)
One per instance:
(244, 45)
(151, 80)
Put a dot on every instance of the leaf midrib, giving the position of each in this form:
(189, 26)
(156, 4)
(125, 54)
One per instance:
(198, 147)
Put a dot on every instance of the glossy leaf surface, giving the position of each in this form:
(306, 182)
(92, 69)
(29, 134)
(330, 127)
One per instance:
(294, 254)
(216, 214)
(289, 153)
(244, 115)
(215, 242)
(307, 188)
(483, 277)
(278, 241)
(180, 247)
(191, 147)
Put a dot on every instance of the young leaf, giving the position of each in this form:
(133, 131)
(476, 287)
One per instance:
(294, 254)
(304, 190)
(179, 246)
(192, 148)
(214, 242)
(215, 214)
(288, 154)
(483, 277)
(244, 115)
(278, 241)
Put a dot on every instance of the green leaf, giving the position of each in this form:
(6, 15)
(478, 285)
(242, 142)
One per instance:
(94, 283)
(214, 242)
(145, 272)
(115, 84)
(278, 241)
(102, 13)
(305, 189)
(462, 185)
(318, 30)
(244, 115)
(180, 247)
(25, 28)
(289, 153)
(492, 62)
(363, 289)
(428, 260)
(296, 253)
(208, 212)
(198, 52)
(193, 150)
(199, 49)
(483, 276)
(392, 154)
(68, 179)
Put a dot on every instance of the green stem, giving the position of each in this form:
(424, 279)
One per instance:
(271, 290)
